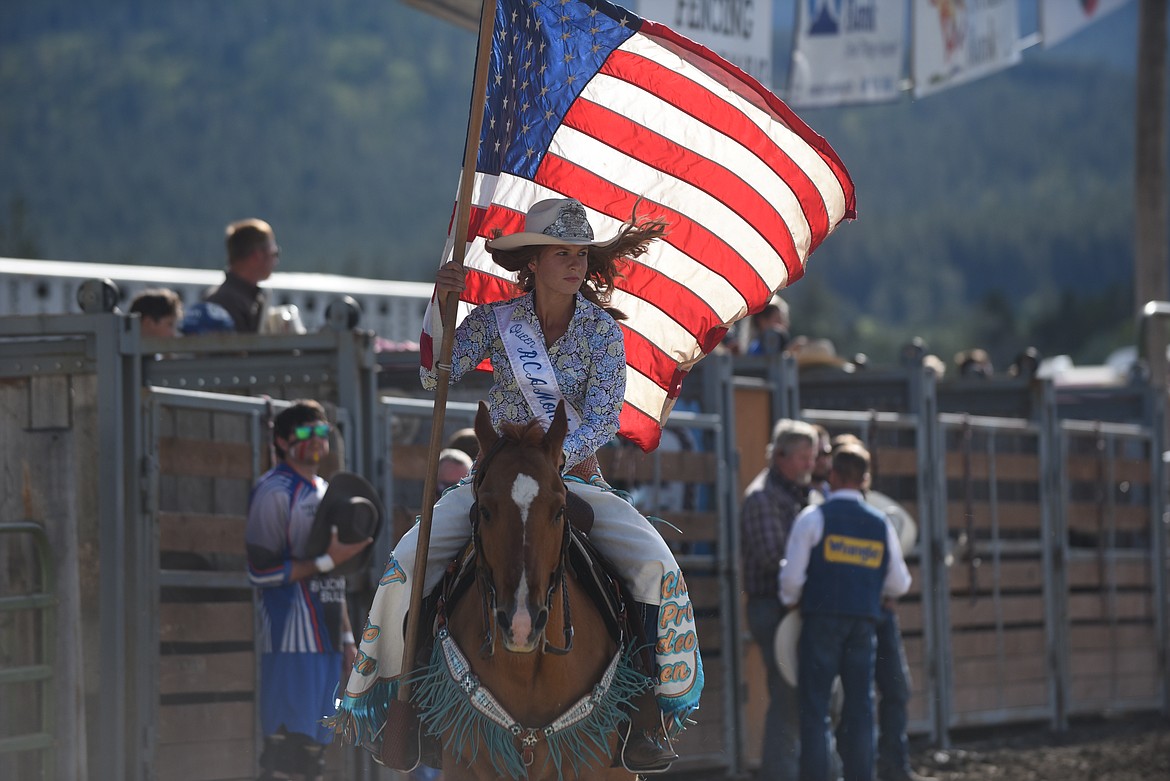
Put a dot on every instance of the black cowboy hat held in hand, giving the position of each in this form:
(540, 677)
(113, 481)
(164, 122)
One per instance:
(353, 507)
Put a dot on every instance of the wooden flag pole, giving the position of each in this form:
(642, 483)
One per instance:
(443, 365)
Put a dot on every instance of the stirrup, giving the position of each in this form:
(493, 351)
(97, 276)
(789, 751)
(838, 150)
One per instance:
(401, 737)
(662, 737)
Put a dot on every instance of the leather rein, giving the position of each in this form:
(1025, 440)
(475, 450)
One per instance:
(484, 577)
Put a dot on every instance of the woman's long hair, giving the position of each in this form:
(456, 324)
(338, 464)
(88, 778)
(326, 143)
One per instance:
(604, 267)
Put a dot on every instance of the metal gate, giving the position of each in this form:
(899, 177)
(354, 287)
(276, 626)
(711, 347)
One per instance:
(38, 733)
(64, 465)
(199, 671)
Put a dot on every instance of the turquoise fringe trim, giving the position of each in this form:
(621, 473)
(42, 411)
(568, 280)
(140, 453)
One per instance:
(360, 718)
(445, 709)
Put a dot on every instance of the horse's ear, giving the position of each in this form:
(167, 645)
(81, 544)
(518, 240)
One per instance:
(485, 432)
(554, 438)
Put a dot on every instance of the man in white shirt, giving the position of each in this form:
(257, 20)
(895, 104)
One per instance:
(843, 558)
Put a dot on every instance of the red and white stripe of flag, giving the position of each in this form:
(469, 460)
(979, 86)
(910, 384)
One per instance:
(748, 189)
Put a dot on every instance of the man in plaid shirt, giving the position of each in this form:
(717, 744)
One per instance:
(771, 504)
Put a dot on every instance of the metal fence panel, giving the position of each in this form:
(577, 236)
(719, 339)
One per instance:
(205, 451)
(1115, 662)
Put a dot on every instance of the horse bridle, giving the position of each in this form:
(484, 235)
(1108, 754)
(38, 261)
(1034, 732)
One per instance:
(483, 572)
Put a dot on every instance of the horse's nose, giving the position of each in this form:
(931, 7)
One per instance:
(541, 620)
(521, 630)
(502, 618)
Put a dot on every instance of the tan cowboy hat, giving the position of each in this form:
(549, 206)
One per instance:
(549, 222)
(784, 646)
(816, 353)
(352, 506)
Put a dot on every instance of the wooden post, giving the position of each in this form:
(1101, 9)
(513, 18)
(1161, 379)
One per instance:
(1150, 199)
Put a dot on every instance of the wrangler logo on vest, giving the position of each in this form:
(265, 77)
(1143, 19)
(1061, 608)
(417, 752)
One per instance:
(840, 549)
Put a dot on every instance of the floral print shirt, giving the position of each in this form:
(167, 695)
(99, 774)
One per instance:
(589, 362)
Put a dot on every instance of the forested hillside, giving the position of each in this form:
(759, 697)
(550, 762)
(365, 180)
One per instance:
(135, 131)
(997, 213)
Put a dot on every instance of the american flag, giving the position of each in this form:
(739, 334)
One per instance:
(587, 100)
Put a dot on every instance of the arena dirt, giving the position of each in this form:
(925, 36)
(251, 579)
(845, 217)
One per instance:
(1132, 748)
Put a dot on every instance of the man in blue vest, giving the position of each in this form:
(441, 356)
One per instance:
(890, 672)
(842, 559)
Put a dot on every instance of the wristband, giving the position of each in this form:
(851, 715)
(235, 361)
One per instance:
(347, 638)
(324, 563)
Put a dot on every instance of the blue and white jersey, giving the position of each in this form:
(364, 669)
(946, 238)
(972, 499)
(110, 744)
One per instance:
(295, 616)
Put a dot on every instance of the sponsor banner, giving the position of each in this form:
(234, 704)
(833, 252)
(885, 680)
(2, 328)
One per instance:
(847, 51)
(739, 31)
(957, 41)
(1060, 19)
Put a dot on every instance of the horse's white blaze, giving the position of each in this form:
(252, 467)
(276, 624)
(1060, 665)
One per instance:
(524, 492)
(521, 619)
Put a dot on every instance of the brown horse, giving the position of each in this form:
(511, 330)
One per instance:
(526, 681)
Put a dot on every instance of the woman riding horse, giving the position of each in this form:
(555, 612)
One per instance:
(548, 695)
(558, 340)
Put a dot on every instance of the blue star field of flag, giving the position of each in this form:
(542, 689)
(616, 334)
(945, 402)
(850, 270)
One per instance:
(544, 52)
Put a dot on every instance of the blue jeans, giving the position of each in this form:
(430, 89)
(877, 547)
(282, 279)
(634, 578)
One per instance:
(892, 677)
(829, 646)
(781, 750)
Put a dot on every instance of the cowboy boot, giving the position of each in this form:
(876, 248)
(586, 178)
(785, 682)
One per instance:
(308, 758)
(646, 748)
(292, 756)
(272, 759)
(313, 762)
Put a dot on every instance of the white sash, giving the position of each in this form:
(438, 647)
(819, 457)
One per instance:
(532, 367)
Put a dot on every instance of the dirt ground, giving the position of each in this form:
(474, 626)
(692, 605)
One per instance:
(1131, 748)
(1128, 748)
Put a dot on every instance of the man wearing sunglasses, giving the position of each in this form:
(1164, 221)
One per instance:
(305, 637)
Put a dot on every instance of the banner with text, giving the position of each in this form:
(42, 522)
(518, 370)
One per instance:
(847, 51)
(1060, 19)
(740, 31)
(959, 42)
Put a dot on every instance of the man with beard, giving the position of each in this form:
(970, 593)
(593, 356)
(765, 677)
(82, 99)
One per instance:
(770, 506)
